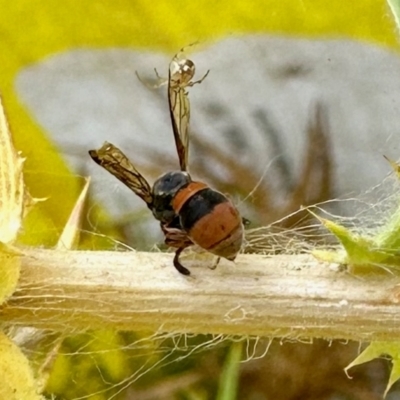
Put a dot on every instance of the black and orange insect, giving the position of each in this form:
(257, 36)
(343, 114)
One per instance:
(190, 212)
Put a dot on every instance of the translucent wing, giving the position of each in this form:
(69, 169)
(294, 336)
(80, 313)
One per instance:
(181, 72)
(116, 163)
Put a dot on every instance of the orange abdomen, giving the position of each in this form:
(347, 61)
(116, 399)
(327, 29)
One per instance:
(210, 220)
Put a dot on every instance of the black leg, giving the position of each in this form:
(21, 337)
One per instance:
(178, 265)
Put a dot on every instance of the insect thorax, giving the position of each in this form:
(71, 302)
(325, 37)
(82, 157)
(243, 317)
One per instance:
(164, 190)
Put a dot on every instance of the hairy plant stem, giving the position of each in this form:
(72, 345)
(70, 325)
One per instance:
(281, 296)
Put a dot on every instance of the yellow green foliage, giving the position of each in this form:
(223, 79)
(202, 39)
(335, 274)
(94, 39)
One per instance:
(366, 252)
(10, 262)
(381, 250)
(13, 200)
(17, 380)
(377, 349)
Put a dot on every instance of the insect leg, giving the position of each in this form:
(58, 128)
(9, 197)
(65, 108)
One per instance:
(200, 80)
(215, 265)
(160, 81)
(177, 263)
(245, 221)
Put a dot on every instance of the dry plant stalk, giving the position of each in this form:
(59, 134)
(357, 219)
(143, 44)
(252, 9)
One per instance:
(285, 296)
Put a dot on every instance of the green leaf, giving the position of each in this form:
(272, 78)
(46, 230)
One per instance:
(377, 349)
(364, 253)
(228, 383)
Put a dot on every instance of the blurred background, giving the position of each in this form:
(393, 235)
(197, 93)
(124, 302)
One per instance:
(301, 103)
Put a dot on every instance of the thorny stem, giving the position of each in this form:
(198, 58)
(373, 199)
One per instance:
(285, 296)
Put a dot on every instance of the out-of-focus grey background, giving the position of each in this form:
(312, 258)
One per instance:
(254, 107)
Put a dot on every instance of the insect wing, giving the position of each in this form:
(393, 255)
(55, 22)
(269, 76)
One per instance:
(180, 75)
(179, 108)
(116, 163)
